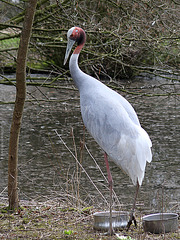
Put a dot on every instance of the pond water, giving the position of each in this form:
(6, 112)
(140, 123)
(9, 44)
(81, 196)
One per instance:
(47, 168)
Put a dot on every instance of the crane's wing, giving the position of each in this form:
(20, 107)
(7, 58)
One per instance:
(114, 125)
(95, 88)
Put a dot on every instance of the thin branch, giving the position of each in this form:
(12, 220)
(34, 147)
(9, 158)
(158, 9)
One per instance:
(13, 4)
(81, 167)
(101, 172)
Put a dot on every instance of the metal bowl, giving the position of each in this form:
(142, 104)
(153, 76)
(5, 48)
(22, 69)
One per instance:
(160, 222)
(119, 220)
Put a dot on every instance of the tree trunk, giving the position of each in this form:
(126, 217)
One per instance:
(19, 105)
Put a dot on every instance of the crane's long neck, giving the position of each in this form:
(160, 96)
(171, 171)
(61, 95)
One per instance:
(76, 73)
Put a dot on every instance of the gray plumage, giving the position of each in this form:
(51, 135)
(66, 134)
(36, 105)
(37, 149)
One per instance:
(111, 120)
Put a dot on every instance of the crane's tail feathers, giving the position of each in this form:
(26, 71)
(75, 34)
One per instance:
(133, 155)
(143, 153)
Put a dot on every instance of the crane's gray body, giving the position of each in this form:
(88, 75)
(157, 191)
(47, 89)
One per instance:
(113, 123)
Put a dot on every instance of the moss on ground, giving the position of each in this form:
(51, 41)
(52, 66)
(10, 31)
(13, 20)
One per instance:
(50, 220)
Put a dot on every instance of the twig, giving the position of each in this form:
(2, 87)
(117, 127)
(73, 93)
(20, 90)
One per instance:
(81, 167)
(101, 172)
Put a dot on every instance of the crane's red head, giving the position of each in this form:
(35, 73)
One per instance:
(75, 34)
(78, 35)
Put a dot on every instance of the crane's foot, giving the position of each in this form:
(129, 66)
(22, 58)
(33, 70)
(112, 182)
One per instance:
(131, 220)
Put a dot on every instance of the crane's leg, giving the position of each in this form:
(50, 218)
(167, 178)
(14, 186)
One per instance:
(111, 231)
(132, 217)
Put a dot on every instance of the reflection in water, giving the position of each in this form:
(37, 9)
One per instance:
(47, 169)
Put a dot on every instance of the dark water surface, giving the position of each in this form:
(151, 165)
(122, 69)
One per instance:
(47, 169)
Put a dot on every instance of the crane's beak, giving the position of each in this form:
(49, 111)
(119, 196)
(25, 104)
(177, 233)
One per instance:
(70, 44)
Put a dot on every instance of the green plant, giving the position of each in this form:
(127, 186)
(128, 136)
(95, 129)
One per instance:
(68, 232)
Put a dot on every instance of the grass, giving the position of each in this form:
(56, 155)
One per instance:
(8, 52)
(52, 220)
(9, 43)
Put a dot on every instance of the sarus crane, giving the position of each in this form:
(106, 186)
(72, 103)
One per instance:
(111, 120)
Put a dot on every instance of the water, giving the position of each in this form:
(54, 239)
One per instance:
(47, 169)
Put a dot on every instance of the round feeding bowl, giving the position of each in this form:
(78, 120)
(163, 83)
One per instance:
(119, 220)
(160, 222)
